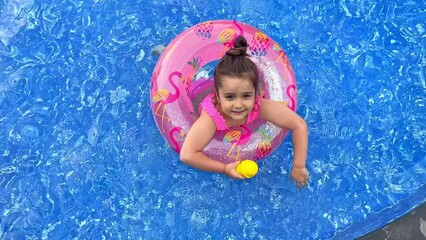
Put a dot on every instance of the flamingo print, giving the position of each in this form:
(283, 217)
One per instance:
(227, 37)
(163, 97)
(290, 96)
(237, 139)
(292, 107)
(181, 134)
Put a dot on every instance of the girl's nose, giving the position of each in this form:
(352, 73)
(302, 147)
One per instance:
(238, 103)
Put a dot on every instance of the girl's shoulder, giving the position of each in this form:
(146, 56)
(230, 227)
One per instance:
(268, 102)
(268, 106)
(208, 106)
(205, 118)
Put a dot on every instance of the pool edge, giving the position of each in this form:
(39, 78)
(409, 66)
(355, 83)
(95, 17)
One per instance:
(385, 217)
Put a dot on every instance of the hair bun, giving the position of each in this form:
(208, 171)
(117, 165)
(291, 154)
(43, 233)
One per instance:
(240, 41)
(240, 47)
(240, 51)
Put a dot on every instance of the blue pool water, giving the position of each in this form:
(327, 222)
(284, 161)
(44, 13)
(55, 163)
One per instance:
(81, 156)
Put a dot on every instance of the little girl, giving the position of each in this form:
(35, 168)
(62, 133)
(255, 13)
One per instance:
(236, 102)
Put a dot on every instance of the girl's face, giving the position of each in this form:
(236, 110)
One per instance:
(236, 98)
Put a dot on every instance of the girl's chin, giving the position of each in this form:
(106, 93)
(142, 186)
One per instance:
(238, 115)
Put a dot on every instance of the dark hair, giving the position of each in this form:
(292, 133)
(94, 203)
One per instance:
(235, 63)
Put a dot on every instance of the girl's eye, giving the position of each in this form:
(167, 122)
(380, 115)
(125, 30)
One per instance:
(247, 96)
(229, 97)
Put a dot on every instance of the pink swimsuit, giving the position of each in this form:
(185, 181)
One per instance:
(208, 106)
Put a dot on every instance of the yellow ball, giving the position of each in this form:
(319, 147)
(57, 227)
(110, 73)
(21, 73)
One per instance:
(247, 168)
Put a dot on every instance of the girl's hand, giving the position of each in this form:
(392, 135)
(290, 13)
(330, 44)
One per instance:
(300, 175)
(231, 172)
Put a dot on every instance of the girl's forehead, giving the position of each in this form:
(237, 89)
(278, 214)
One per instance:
(232, 84)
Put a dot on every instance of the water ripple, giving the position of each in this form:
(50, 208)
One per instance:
(13, 18)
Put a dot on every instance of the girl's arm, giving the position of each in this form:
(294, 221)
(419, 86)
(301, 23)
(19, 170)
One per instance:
(196, 140)
(281, 116)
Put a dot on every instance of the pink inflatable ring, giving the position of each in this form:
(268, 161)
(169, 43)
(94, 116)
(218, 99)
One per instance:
(176, 84)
